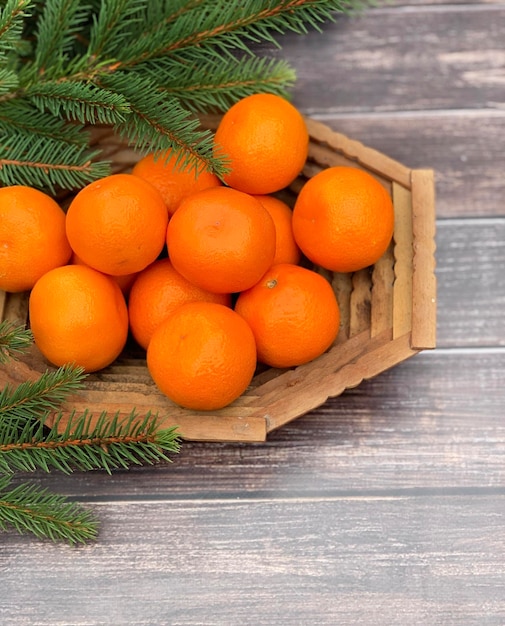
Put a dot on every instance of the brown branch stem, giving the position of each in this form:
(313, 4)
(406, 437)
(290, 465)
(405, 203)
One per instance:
(95, 441)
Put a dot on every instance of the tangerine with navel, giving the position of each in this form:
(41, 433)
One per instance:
(343, 219)
(32, 237)
(293, 313)
(117, 224)
(78, 315)
(221, 239)
(203, 356)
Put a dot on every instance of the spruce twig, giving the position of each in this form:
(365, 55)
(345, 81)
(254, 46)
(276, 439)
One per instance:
(14, 341)
(29, 509)
(213, 85)
(111, 443)
(32, 400)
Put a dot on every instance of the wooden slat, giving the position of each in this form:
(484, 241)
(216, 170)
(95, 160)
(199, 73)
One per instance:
(321, 156)
(356, 151)
(15, 308)
(360, 303)
(3, 300)
(342, 286)
(403, 253)
(424, 288)
(234, 424)
(382, 291)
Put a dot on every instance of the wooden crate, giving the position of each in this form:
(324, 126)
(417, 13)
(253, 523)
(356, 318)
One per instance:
(388, 314)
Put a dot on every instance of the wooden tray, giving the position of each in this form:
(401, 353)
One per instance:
(388, 313)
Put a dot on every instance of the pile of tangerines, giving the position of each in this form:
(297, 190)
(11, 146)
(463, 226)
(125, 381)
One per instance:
(205, 274)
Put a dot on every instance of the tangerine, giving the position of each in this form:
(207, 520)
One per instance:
(343, 219)
(78, 315)
(221, 240)
(265, 140)
(156, 292)
(117, 224)
(293, 313)
(203, 356)
(32, 237)
(173, 180)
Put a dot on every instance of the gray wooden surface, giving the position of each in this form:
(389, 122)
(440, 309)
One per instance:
(385, 506)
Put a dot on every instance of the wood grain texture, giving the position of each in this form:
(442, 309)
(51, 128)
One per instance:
(387, 561)
(471, 282)
(412, 58)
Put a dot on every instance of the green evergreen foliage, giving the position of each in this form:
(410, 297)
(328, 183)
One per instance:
(30, 509)
(144, 67)
(86, 443)
(13, 341)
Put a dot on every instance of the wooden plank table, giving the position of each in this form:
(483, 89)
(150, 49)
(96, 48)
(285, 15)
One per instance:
(386, 505)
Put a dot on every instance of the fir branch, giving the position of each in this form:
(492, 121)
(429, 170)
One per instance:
(12, 19)
(86, 444)
(46, 163)
(57, 27)
(19, 116)
(30, 509)
(116, 61)
(157, 124)
(204, 28)
(33, 399)
(228, 27)
(216, 84)
(14, 340)
(82, 102)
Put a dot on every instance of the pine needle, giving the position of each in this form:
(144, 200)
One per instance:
(87, 443)
(32, 400)
(215, 84)
(29, 509)
(14, 340)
